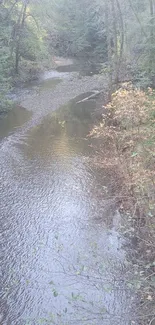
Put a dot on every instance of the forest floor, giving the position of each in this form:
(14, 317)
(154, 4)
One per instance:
(126, 147)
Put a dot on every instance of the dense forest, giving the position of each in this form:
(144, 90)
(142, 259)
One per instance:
(117, 34)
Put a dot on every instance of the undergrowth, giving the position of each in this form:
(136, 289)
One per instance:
(127, 142)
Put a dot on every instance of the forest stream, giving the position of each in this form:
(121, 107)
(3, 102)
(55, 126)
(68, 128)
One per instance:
(64, 258)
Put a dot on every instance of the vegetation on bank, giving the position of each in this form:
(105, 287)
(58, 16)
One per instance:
(127, 145)
(118, 35)
(22, 46)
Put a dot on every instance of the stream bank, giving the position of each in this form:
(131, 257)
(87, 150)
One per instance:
(125, 148)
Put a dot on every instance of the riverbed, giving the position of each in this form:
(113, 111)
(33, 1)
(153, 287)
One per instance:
(63, 255)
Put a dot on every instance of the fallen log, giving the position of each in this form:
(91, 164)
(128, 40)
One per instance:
(97, 92)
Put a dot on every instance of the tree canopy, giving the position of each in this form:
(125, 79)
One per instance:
(120, 34)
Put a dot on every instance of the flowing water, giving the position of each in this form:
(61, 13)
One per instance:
(63, 260)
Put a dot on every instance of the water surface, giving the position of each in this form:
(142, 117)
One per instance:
(62, 257)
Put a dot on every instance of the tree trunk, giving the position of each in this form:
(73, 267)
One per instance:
(115, 37)
(17, 56)
(122, 36)
(20, 27)
(151, 37)
(108, 34)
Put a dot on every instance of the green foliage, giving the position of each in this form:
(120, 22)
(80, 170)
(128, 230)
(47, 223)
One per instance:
(118, 34)
(5, 62)
(79, 29)
(22, 44)
(140, 40)
(112, 33)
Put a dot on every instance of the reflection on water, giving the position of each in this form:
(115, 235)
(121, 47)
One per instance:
(14, 119)
(84, 67)
(62, 256)
(48, 84)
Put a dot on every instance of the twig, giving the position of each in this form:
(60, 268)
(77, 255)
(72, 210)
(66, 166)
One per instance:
(149, 276)
(151, 320)
(145, 241)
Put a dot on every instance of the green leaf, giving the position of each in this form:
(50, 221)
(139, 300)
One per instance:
(55, 293)
(51, 282)
(78, 273)
(103, 310)
(134, 154)
(153, 281)
(150, 214)
(129, 285)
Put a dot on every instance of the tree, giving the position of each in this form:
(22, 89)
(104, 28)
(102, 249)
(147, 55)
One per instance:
(5, 62)
(119, 34)
(78, 29)
(21, 42)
